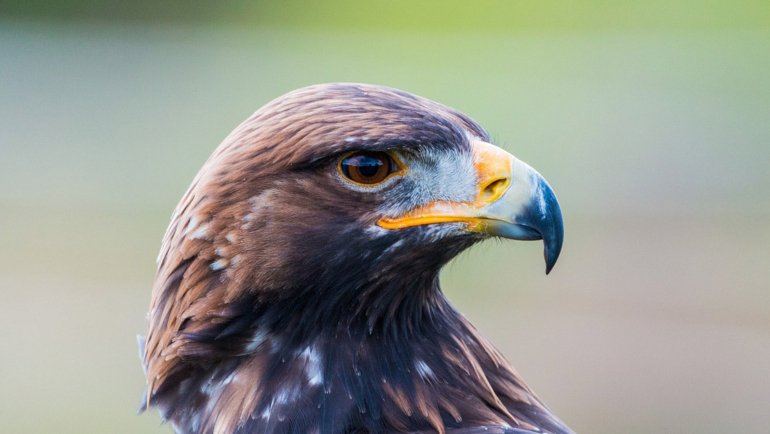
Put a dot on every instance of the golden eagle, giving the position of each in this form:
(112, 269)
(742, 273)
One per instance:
(297, 288)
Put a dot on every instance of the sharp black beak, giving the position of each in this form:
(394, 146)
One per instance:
(538, 219)
(543, 215)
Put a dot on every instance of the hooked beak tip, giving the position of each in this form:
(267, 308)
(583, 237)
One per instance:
(550, 261)
(552, 229)
(541, 219)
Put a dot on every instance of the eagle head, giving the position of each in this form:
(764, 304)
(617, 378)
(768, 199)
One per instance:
(297, 286)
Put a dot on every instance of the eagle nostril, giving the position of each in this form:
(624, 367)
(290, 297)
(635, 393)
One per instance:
(495, 189)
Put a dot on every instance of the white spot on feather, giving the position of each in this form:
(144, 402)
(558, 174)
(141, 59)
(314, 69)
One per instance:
(201, 232)
(195, 422)
(312, 365)
(229, 379)
(391, 248)
(219, 264)
(191, 224)
(258, 339)
(258, 204)
(261, 201)
(376, 231)
(266, 413)
(206, 388)
(285, 394)
(423, 369)
(394, 246)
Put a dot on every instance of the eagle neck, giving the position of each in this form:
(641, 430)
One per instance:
(416, 363)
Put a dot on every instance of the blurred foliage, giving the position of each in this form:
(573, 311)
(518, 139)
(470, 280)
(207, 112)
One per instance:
(422, 16)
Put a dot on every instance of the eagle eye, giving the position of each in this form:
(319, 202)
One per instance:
(367, 167)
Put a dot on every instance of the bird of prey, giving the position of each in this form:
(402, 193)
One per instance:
(297, 288)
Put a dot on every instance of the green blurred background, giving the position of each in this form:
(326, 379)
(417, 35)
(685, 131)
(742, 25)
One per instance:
(651, 119)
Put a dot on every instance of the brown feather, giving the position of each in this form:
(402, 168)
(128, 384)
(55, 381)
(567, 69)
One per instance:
(242, 340)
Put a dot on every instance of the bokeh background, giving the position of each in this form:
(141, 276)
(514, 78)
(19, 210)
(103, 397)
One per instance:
(651, 119)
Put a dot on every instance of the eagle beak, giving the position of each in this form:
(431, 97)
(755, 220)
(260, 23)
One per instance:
(512, 201)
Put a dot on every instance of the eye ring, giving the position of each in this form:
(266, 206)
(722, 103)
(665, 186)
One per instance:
(368, 168)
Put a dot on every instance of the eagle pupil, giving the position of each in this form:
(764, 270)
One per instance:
(367, 167)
